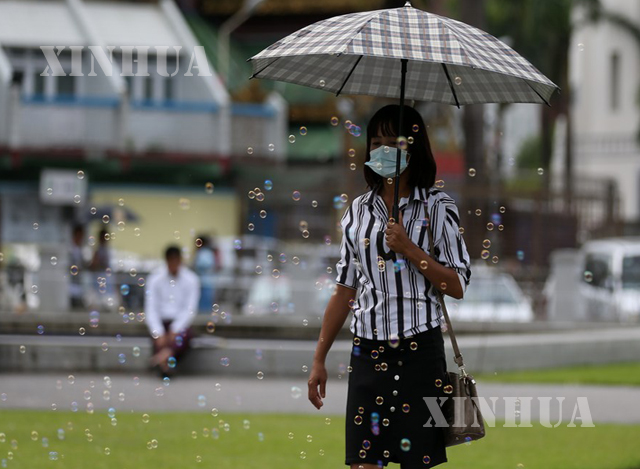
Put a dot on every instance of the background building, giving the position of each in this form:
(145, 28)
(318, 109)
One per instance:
(605, 82)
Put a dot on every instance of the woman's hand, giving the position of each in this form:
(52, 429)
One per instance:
(318, 377)
(396, 236)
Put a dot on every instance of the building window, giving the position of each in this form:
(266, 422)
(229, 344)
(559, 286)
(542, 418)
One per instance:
(66, 85)
(599, 266)
(18, 77)
(169, 92)
(148, 88)
(129, 81)
(38, 89)
(615, 81)
(14, 52)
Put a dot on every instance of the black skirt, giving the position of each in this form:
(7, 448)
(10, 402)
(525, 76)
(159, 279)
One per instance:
(386, 412)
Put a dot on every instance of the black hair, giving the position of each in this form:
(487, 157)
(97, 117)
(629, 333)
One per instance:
(173, 251)
(422, 165)
(78, 229)
(206, 242)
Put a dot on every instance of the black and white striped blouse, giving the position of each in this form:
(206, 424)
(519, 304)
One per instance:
(395, 299)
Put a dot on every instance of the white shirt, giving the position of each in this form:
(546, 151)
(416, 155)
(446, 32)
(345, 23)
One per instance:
(397, 300)
(171, 298)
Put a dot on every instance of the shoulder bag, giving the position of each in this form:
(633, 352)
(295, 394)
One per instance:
(464, 420)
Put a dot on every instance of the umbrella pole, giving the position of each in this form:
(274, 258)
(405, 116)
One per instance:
(399, 150)
(391, 255)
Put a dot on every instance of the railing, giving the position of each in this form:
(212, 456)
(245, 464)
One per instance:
(106, 123)
(65, 123)
(260, 129)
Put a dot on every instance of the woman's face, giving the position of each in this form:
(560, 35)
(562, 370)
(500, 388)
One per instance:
(380, 140)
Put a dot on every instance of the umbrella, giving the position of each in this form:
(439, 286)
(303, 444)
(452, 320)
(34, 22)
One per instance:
(403, 53)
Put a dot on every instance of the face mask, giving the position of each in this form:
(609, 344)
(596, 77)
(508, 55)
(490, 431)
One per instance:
(384, 163)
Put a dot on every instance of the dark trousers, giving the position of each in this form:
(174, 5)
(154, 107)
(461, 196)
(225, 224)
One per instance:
(180, 345)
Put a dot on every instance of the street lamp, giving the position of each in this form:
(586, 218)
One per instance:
(225, 31)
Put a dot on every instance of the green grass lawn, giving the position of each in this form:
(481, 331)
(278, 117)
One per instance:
(261, 441)
(625, 373)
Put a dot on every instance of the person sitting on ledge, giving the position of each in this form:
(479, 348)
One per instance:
(171, 303)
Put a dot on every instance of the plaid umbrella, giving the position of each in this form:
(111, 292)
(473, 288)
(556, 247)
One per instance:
(404, 53)
(448, 61)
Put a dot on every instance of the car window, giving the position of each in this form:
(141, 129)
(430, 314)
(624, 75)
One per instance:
(489, 290)
(631, 272)
(599, 267)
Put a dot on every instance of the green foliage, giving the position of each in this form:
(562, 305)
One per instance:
(625, 374)
(528, 156)
(541, 30)
(527, 162)
(537, 29)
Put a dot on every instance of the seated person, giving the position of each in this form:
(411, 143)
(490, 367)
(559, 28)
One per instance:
(171, 304)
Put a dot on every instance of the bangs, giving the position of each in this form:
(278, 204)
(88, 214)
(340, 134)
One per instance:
(385, 122)
(386, 128)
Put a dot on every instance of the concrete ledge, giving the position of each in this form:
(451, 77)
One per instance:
(82, 353)
(482, 353)
(256, 327)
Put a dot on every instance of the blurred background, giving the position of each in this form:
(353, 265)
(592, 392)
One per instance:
(101, 173)
(250, 178)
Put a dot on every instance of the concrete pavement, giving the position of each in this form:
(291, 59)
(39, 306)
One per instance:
(148, 393)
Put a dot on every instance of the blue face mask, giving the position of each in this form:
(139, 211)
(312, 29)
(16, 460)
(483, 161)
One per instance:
(384, 163)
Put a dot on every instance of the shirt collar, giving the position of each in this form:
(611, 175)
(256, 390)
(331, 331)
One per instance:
(168, 274)
(419, 193)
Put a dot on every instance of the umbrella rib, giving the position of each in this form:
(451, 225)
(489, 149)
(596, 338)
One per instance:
(262, 69)
(446, 72)
(536, 92)
(349, 75)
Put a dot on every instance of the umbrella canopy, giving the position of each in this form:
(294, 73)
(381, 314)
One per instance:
(447, 61)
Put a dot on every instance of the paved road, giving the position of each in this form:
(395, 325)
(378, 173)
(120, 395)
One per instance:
(234, 394)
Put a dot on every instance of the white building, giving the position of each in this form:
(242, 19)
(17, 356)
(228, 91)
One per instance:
(186, 114)
(131, 114)
(604, 64)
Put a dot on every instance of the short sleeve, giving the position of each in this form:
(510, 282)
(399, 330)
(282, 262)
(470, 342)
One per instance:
(450, 248)
(345, 268)
(151, 300)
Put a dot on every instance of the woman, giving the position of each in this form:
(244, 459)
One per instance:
(397, 356)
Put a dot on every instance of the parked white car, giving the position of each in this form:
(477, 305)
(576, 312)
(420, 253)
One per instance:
(491, 296)
(610, 279)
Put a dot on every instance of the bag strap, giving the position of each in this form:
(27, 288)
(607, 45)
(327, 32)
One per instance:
(458, 356)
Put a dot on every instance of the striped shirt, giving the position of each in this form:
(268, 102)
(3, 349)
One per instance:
(395, 299)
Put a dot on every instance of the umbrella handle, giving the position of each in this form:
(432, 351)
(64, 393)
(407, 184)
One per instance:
(381, 252)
